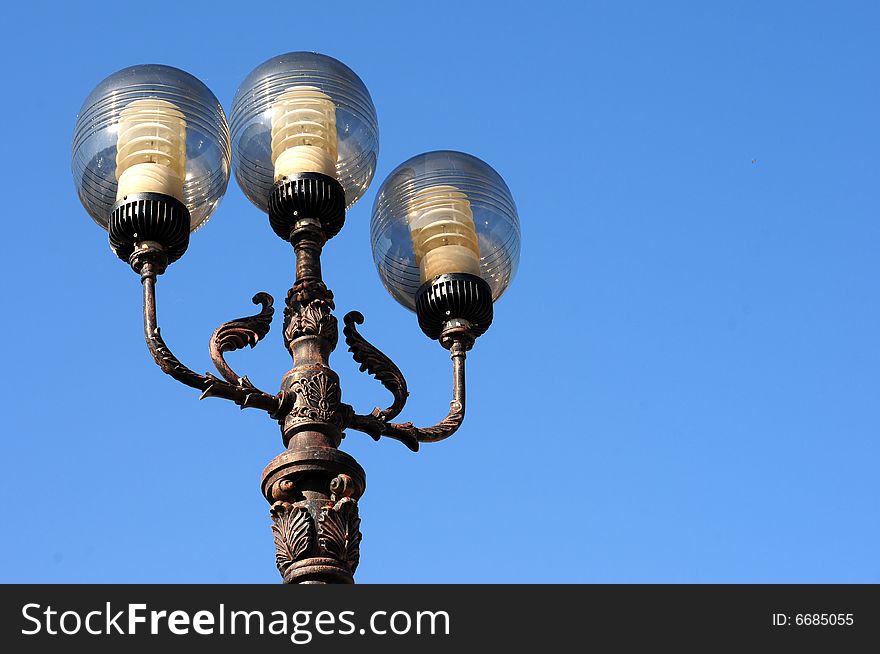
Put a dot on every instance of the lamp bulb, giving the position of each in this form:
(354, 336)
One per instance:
(444, 237)
(303, 132)
(151, 148)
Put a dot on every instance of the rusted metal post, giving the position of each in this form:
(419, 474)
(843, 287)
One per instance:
(313, 486)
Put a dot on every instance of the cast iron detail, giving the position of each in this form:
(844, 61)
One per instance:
(313, 319)
(339, 532)
(236, 334)
(321, 468)
(293, 531)
(283, 490)
(377, 364)
(344, 486)
(318, 397)
(308, 290)
(331, 537)
(316, 539)
(307, 195)
(245, 396)
(457, 296)
(154, 217)
(409, 434)
(301, 318)
(458, 340)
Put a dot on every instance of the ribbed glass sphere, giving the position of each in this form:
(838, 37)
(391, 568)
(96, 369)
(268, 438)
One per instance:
(303, 112)
(151, 129)
(444, 212)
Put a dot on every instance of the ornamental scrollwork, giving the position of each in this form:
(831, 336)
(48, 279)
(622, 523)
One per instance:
(333, 530)
(293, 531)
(309, 312)
(239, 333)
(318, 397)
(169, 363)
(374, 362)
(244, 395)
(339, 533)
(409, 434)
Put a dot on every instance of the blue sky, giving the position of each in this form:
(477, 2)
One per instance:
(680, 386)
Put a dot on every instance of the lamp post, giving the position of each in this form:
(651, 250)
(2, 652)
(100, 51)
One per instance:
(151, 160)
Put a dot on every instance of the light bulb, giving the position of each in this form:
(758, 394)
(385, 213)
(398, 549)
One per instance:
(303, 132)
(151, 148)
(339, 98)
(466, 191)
(444, 238)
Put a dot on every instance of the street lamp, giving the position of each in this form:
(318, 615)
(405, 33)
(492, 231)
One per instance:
(151, 161)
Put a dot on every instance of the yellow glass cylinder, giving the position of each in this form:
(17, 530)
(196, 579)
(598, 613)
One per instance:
(304, 132)
(151, 149)
(444, 237)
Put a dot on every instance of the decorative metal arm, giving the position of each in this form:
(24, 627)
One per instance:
(377, 364)
(225, 338)
(406, 432)
(236, 334)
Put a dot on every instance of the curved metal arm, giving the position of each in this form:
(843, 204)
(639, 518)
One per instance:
(246, 396)
(236, 334)
(406, 432)
(377, 364)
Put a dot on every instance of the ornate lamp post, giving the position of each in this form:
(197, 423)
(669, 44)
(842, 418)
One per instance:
(151, 160)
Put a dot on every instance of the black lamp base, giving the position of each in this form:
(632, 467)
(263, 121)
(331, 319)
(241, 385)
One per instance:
(455, 296)
(307, 195)
(156, 217)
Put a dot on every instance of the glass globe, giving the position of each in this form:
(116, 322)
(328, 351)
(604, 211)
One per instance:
(444, 212)
(303, 112)
(151, 129)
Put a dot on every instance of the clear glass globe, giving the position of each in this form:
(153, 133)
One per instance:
(444, 212)
(303, 112)
(151, 128)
